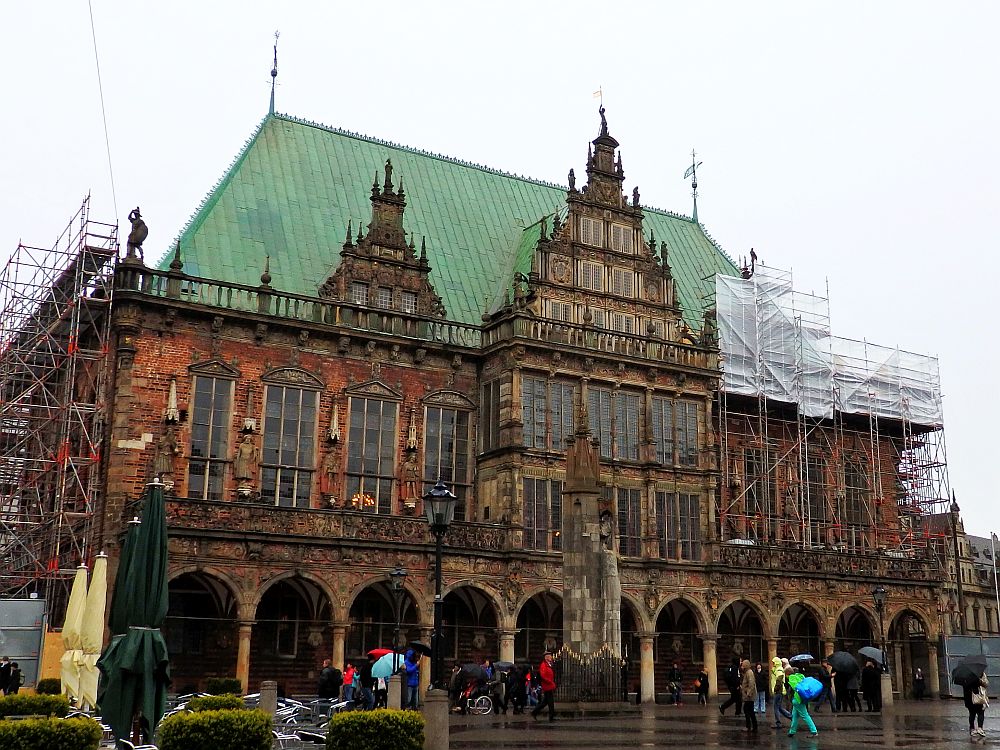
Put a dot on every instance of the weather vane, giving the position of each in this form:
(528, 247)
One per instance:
(274, 70)
(692, 172)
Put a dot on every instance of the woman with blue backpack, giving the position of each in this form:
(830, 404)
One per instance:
(801, 687)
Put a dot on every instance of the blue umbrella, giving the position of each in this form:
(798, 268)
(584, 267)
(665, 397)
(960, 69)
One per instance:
(387, 665)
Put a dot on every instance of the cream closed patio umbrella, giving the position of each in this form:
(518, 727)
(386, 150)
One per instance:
(69, 672)
(92, 631)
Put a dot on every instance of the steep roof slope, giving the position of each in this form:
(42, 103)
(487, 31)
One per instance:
(294, 187)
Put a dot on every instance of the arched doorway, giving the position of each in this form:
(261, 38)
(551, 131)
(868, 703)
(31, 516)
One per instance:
(539, 627)
(798, 633)
(373, 621)
(201, 631)
(469, 624)
(741, 634)
(855, 629)
(908, 650)
(291, 636)
(676, 641)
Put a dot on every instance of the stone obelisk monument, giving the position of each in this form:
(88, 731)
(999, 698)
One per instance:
(591, 587)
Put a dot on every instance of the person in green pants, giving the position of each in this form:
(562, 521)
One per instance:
(800, 708)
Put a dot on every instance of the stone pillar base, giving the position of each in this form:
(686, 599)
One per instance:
(268, 696)
(886, 689)
(436, 719)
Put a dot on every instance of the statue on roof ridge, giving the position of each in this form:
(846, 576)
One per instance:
(604, 122)
(138, 234)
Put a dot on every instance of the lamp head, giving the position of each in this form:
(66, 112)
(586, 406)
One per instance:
(439, 507)
(396, 579)
(880, 595)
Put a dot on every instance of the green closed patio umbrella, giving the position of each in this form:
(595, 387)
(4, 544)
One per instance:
(135, 665)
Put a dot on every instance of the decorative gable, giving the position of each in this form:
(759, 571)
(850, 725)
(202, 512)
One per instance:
(374, 389)
(215, 368)
(293, 376)
(450, 399)
(380, 269)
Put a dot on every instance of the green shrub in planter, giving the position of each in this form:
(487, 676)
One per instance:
(385, 729)
(50, 734)
(49, 686)
(216, 703)
(33, 705)
(223, 685)
(216, 730)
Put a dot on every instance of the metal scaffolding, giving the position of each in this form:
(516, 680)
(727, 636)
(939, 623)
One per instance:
(826, 442)
(54, 341)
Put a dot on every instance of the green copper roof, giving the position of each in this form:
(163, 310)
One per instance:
(291, 192)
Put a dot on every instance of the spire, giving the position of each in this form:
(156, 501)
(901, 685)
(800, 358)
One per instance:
(274, 71)
(423, 249)
(265, 278)
(375, 187)
(347, 240)
(692, 172)
(176, 264)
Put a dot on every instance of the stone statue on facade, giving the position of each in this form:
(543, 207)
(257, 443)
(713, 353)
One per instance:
(167, 449)
(245, 460)
(411, 480)
(137, 235)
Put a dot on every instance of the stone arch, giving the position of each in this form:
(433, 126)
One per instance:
(752, 604)
(855, 625)
(703, 620)
(491, 595)
(202, 625)
(677, 627)
(800, 630)
(424, 615)
(472, 621)
(632, 623)
(743, 630)
(908, 636)
(371, 617)
(287, 575)
(538, 623)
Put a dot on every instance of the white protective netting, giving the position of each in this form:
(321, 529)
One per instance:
(776, 342)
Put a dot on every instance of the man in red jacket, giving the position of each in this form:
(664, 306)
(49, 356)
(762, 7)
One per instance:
(547, 681)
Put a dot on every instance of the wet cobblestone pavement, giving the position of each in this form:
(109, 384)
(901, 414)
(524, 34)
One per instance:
(928, 725)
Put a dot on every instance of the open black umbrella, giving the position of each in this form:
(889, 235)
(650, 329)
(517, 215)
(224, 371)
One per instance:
(801, 659)
(474, 672)
(503, 666)
(843, 662)
(421, 647)
(969, 670)
(135, 663)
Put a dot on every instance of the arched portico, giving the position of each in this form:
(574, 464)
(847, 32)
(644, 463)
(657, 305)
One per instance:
(856, 627)
(291, 634)
(908, 646)
(742, 633)
(372, 619)
(539, 626)
(800, 631)
(677, 629)
(201, 629)
(470, 625)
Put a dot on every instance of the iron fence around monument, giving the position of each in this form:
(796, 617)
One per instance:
(589, 678)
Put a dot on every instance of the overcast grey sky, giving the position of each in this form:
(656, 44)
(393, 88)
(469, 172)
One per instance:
(855, 143)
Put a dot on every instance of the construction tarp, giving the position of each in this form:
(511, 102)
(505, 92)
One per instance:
(776, 343)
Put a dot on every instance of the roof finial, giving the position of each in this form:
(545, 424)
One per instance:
(400, 192)
(176, 264)
(692, 172)
(265, 278)
(347, 242)
(388, 175)
(423, 249)
(274, 71)
(375, 188)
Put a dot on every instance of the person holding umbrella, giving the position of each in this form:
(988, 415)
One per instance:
(843, 666)
(871, 686)
(970, 673)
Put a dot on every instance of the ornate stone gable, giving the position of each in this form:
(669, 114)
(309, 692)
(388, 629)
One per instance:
(381, 269)
(374, 389)
(214, 368)
(596, 267)
(292, 376)
(451, 399)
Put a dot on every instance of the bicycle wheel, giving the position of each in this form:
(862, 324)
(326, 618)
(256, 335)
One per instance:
(481, 705)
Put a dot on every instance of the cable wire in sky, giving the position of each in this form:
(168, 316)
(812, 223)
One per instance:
(104, 114)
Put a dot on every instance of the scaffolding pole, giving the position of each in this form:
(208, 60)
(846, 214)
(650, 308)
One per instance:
(55, 327)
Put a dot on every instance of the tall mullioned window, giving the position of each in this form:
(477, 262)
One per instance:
(489, 416)
(678, 525)
(629, 503)
(446, 451)
(614, 420)
(675, 431)
(546, 413)
(209, 449)
(288, 458)
(371, 454)
(542, 513)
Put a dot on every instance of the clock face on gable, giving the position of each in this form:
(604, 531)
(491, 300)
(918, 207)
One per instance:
(559, 270)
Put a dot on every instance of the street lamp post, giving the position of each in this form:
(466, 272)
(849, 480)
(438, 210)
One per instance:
(439, 507)
(396, 580)
(958, 564)
(880, 595)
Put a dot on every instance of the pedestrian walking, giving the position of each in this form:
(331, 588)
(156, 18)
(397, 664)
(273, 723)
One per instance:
(748, 692)
(547, 680)
(329, 682)
(761, 678)
(16, 679)
(367, 683)
(853, 699)
(675, 679)
(733, 678)
(778, 692)
(976, 701)
(800, 708)
(918, 684)
(412, 664)
(701, 685)
(4, 674)
(827, 681)
(347, 689)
